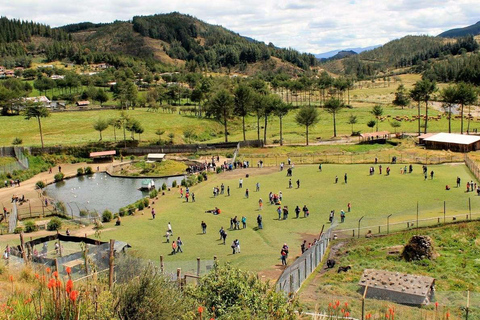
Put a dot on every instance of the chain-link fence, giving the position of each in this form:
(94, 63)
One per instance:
(294, 275)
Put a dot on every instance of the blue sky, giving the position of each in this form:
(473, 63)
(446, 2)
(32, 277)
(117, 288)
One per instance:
(307, 25)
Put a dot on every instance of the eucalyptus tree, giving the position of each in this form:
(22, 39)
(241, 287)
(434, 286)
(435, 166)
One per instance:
(281, 110)
(449, 99)
(377, 112)
(221, 107)
(37, 111)
(334, 106)
(307, 116)
(243, 103)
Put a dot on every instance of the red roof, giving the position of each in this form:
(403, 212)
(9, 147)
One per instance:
(102, 153)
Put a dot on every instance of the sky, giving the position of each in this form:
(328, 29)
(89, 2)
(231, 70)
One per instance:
(312, 26)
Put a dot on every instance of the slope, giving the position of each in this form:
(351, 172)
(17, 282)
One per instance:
(473, 30)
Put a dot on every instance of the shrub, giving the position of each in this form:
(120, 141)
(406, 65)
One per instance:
(59, 177)
(18, 230)
(204, 174)
(229, 155)
(30, 226)
(98, 224)
(84, 213)
(164, 186)
(184, 183)
(153, 193)
(140, 205)
(107, 216)
(122, 212)
(61, 208)
(40, 184)
(80, 172)
(17, 141)
(146, 202)
(88, 170)
(174, 184)
(200, 178)
(219, 170)
(54, 224)
(131, 209)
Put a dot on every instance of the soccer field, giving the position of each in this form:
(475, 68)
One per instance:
(373, 196)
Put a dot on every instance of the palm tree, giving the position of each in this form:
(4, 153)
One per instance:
(37, 110)
(333, 106)
(100, 125)
(377, 111)
(307, 116)
(281, 110)
(243, 101)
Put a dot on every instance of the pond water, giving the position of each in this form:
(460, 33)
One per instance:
(99, 191)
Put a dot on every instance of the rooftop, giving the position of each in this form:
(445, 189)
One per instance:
(453, 138)
(103, 153)
(397, 282)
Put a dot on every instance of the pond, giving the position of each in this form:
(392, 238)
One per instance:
(99, 191)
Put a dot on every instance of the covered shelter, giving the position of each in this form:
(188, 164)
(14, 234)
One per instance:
(155, 157)
(453, 142)
(397, 287)
(424, 136)
(103, 156)
(83, 104)
(375, 137)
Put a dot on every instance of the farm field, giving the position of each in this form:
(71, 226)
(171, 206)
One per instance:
(371, 196)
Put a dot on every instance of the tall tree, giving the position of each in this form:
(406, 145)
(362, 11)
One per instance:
(116, 123)
(449, 99)
(281, 110)
(38, 111)
(258, 107)
(466, 96)
(333, 106)
(243, 102)
(377, 111)
(416, 96)
(307, 116)
(423, 90)
(100, 125)
(401, 97)
(221, 107)
(352, 120)
(270, 102)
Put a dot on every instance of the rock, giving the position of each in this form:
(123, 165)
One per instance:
(419, 248)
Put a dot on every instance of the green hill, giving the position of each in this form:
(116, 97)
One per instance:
(472, 30)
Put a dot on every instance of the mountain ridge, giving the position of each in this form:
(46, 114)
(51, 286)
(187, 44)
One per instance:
(473, 30)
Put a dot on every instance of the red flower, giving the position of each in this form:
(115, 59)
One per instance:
(68, 270)
(347, 314)
(58, 284)
(48, 270)
(51, 284)
(200, 309)
(10, 278)
(346, 304)
(448, 315)
(37, 276)
(73, 295)
(436, 305)
(343, 310)
(337, 303)
(55, 274)
(69, 286)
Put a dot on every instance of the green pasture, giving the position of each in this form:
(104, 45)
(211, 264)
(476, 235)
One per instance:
(371, 196)
(73, 128)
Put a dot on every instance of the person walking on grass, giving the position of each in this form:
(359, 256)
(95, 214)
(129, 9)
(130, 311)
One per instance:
(342, 216)
(289, 183)
(279, 211)
(169, 228)
(260, 204)
(228, 191)
(153, 213)
(179, 245)
(345, 178)
(204, 227)
(298, 183)
(174, 247)
(260, 221)
(297, 212)
(244, 222)
(246, 193)
(224, 236)
(257, 187)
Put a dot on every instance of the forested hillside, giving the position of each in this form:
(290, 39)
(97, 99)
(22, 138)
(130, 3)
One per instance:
(405, 52)
(472, 30)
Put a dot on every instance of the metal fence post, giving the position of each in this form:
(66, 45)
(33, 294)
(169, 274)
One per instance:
(359, 221)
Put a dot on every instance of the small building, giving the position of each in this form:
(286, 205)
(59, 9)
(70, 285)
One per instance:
(453, 142)
(83, 104)
(155, 157)
(103, 156)
(397, 287)
(57, 77)
(375, 137)
(41, 99)
(424, 136)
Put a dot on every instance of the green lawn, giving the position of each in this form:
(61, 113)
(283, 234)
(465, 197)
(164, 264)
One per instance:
(371, 196)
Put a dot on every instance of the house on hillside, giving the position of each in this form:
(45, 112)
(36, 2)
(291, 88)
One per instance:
(9, 73)
(57, 77)
(453, 142)
(83, 104)
(41, 99)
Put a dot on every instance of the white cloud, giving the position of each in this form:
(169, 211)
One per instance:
(307, 25)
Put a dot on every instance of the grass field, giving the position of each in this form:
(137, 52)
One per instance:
(371, 196)
(456, 270)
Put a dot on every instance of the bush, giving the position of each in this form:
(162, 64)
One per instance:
(184, 183)
(153, 193)
(17, 141)
(219, 170)
(83, 213)
(18, 230)
(61, 208)
(107, 216)
(164, 186)
(229, 155)
(146, 202)
(80, 172)
(54, 224)
(88, 170)
(204, 174)
(122, 212)
(40, 184)
(174, 184)
(59, 177)
(200, 178)
(140, 205)
(30, 226)
(131, 209)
